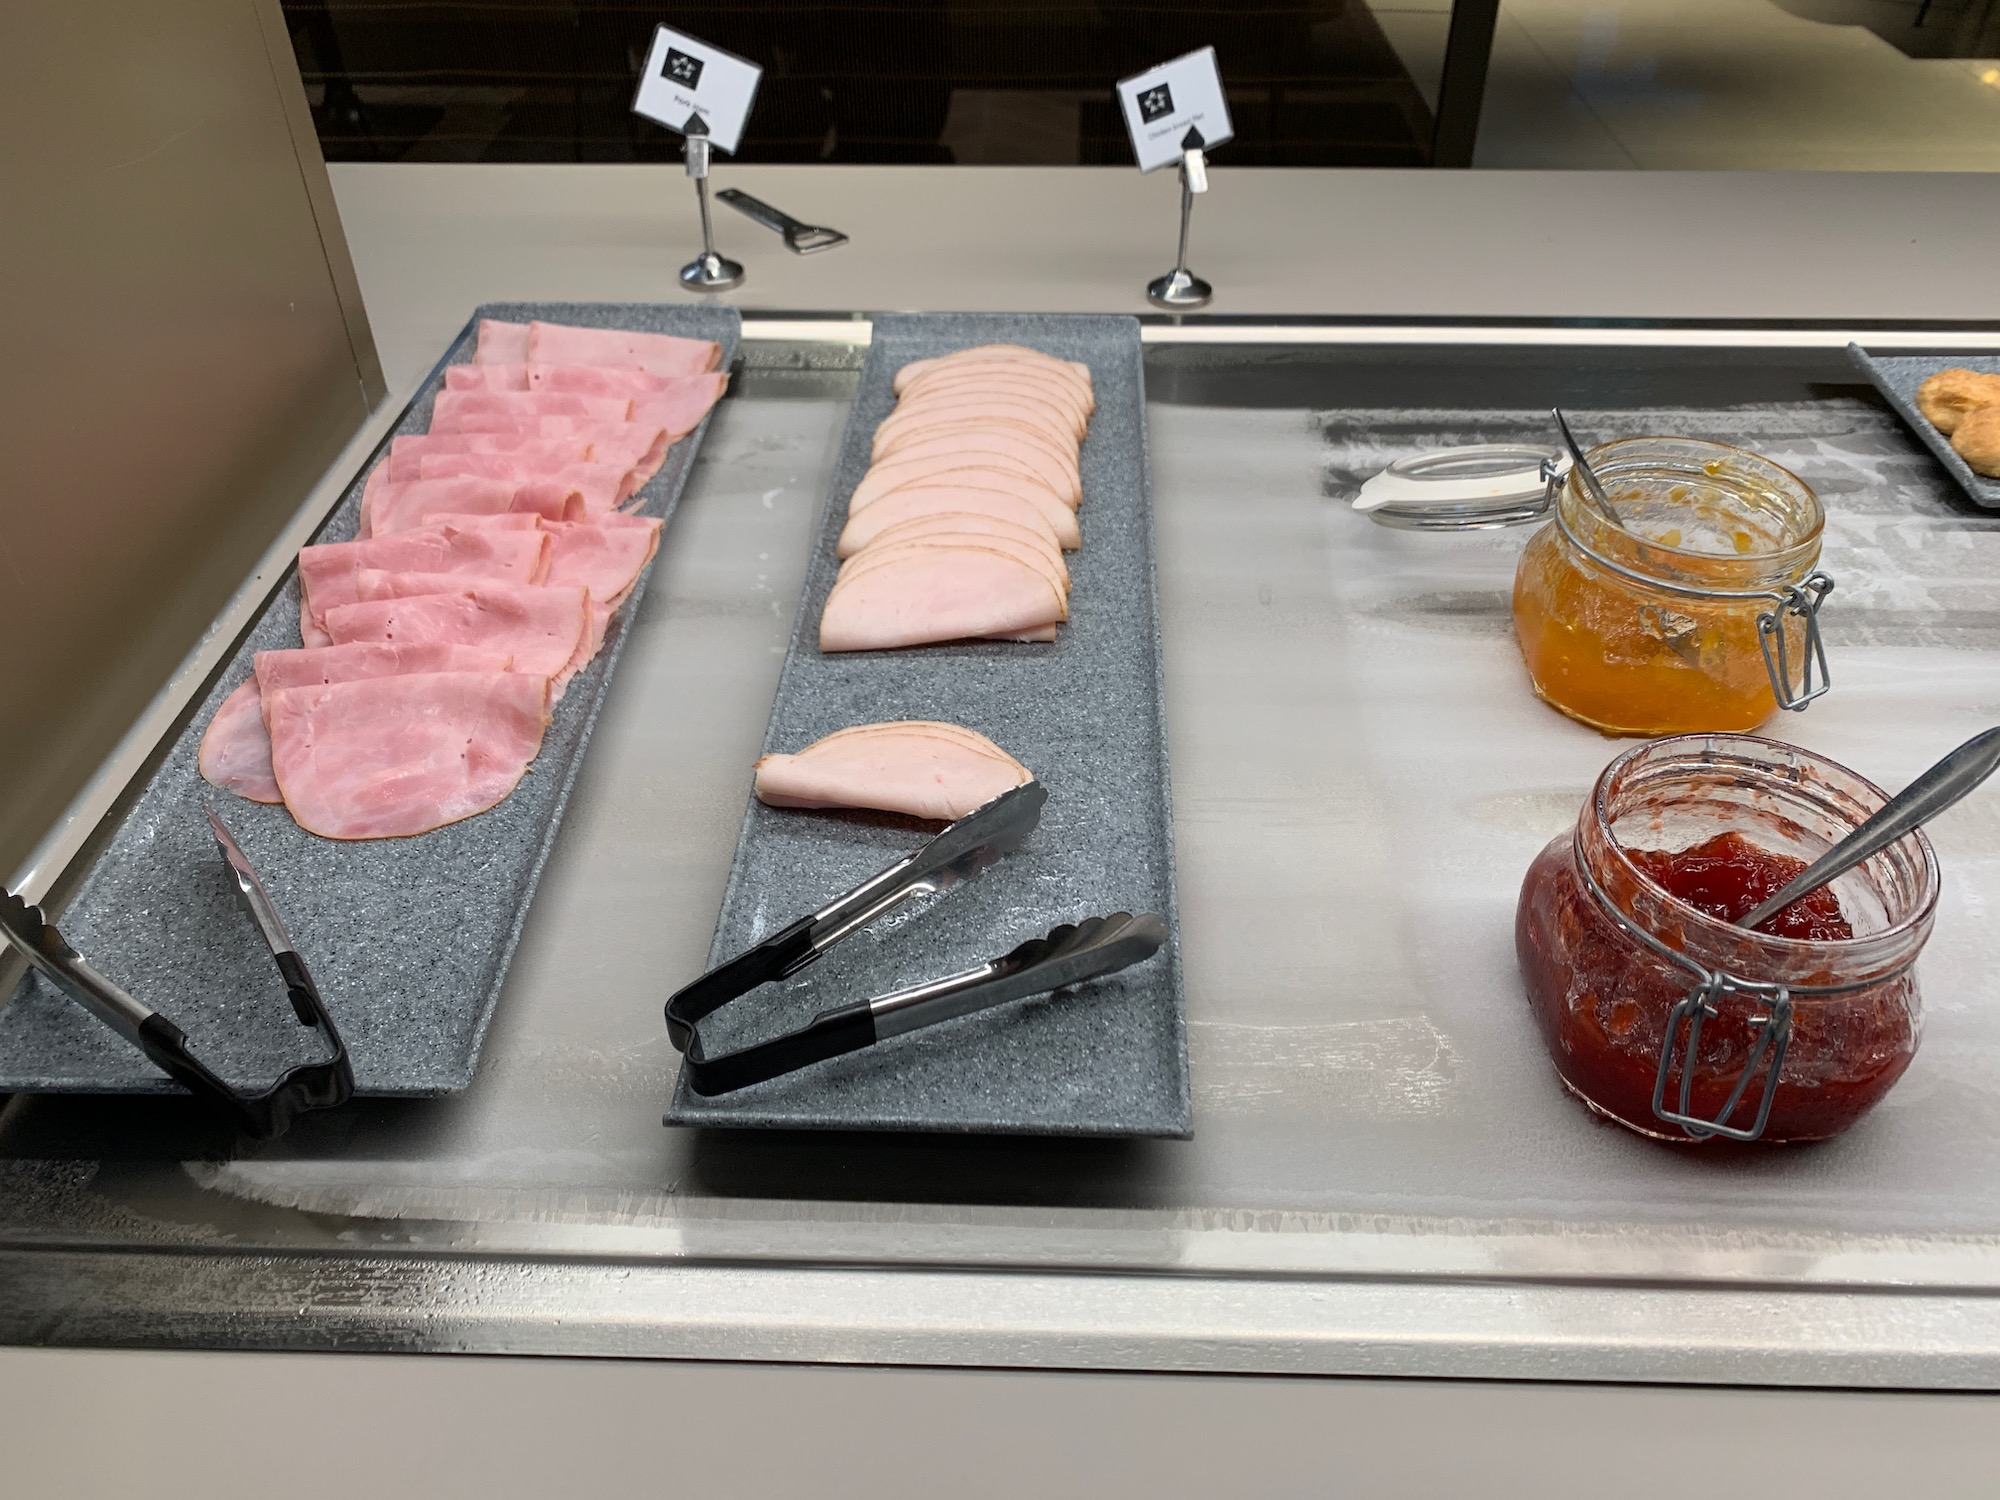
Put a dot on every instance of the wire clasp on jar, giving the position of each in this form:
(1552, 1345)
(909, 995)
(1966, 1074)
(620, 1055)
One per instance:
(1701, 1004)
(1801, 601)
(1774, 1036)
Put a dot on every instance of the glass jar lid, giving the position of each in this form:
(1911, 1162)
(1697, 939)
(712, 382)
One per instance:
(1472, 488)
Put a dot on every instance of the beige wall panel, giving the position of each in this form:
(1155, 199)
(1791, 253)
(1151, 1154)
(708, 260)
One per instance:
(179, 367)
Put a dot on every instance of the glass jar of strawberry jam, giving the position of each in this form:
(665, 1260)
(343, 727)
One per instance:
(1662, 1014)
(1698, 611)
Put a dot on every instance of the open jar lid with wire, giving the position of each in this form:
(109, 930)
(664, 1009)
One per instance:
(1473, 488)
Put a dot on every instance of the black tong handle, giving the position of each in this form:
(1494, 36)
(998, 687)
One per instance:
(1068, 955)
(265, 1113)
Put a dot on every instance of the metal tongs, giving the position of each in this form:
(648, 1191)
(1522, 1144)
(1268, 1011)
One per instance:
(266, 1114)
(1070, 954)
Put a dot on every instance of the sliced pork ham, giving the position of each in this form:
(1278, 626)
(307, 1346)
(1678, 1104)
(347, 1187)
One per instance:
(235, 749)
(451, 407)
(486, 377)
(533, 454)
(680, 408)
(391, 757)
(501, 343)
(655, 353)
(316, 667)
(388, 507)
(543, 629)
(604, 554)
(603, 486)
(923, 596)
(922, 769)
(329, 573)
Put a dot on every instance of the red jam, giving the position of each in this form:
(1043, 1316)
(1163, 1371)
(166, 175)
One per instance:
(1602, 1000)
(1728, 877)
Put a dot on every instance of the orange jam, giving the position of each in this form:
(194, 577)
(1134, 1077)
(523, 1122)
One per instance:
(1650, 627)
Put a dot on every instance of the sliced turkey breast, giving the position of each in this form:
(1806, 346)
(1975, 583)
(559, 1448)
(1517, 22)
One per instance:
(928, 595)
(910, 768)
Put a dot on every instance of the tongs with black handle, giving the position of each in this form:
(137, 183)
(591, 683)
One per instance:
(266, 1113)
(1070, 954)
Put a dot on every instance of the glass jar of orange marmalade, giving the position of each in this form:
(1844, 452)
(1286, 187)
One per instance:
(1699, 611)
(1662, 1014)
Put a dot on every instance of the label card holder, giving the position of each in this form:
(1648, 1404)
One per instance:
(684, 76)
(1161, 105)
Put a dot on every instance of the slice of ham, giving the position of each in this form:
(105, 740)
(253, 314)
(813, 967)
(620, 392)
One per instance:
(451, 407)
(925, 595)
(639, 446)
(908, 505)
(543, 629)
(681, 408)
(389, 757)
(388, 507)
(235, 749)
(538, 455)
(605, 554)
(329, 573)
(486, 377)
(655, 353)
(501, 343)
(315, 667)
(603, 486)
(925, 770)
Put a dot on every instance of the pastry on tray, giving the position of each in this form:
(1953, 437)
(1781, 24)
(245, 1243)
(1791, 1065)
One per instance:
(1950, 396)
(1977, 439)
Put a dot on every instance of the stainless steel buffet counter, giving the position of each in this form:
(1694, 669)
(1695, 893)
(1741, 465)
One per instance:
(1384, 1177)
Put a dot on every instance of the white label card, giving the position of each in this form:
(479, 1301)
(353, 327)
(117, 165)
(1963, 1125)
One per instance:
(684, 77)
(1162, 104)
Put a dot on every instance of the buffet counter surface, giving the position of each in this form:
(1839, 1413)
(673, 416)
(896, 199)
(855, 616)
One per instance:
(1384, 1178)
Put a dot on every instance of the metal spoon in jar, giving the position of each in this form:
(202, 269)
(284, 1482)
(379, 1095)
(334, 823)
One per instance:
(1923, 799)
(1590, 485)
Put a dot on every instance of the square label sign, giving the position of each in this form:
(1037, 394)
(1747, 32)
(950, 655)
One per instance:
(684, 77)
(1162, 104)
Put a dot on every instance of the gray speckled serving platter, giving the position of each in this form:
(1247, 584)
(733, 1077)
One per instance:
(1897, 378)
(1105, 1059)
(409, 939)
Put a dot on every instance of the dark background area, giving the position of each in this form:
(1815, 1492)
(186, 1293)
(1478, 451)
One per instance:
(1310, 82)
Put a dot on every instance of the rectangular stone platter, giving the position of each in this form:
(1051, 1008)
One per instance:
(409, 939)
(1108, 1058)
(1897, 378)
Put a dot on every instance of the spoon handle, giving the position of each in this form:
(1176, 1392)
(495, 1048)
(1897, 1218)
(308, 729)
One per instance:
(1919, 802)
(1591, 487)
